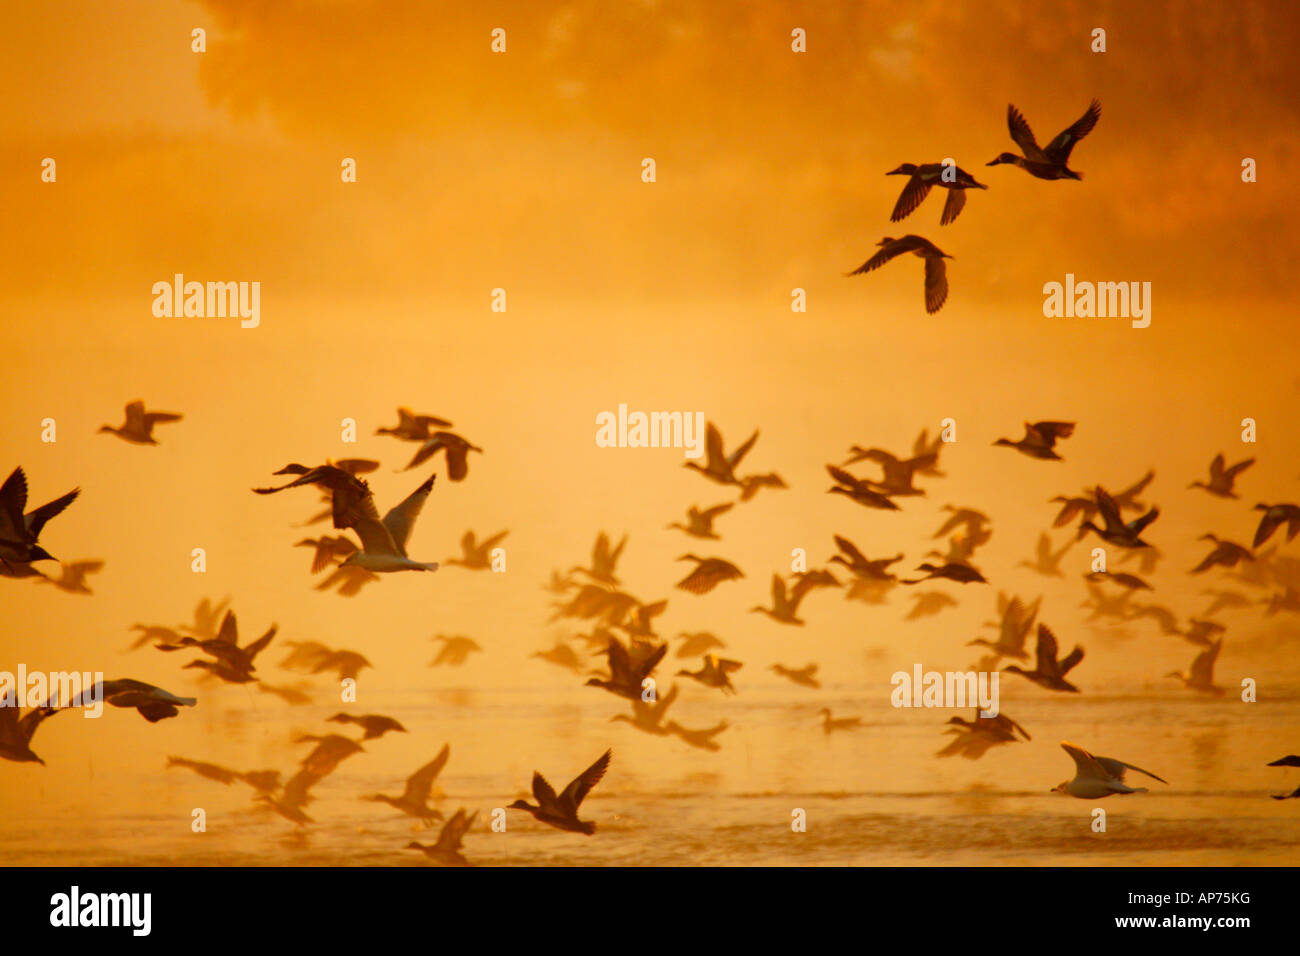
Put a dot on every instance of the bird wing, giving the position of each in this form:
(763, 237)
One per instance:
(887, 252)
(420, 783)
(738, 455)
(842, 477)
(427, 450)
(1267, 525)
(650, 663)
(259, 645)
(953, 207)
(453, 830)
(1086, 764)
(1051, 431)
(1138, 524)
(711, 513)
(13, 499)
(914, 192)
(713, 446)
(152, 418)
(1047, 650)
(1137, 489)
(620, 664)
(936, 279)
(1058, 150)
(1023, 135)
(581, 785)
(1236, 469)
(399, 520)
(1203, 666)
(493, 541)
(1109, 510)
(457, 460)
(1116, 769)
(229, 632)
(134, 415)
(663, 703)
(1216, 467)
(37, 519)
(849, 548)
(1070, 660)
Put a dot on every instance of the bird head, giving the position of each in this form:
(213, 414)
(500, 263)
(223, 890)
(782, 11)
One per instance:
(519, 805)
(1060, 787)
(1003, 158)
(907, 169)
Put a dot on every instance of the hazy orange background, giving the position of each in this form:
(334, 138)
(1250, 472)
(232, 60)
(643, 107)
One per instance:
(522, 171)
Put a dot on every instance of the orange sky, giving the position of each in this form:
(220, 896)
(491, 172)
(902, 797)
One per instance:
(521, 171)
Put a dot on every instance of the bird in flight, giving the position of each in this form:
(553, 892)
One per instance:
(1049, 162)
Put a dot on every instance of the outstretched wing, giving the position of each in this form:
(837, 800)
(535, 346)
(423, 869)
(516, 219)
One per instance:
(399, 520)
(36, 520)
(576, 791)
(913, 195)
(420, 783)
(1116, 769)
(880, 258)
(936, 280)
(953, 207)
(1058, 150)
(1023, 135)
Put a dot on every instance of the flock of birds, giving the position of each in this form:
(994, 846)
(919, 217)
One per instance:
(622, 627)
(1042, 162)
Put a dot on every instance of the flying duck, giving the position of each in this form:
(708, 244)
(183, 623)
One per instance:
(138, 428)
(1049, 163)
(714, 672)
(1200, 676)
(1221, 478)
(455, 650)
(19, 531)
(1040, 439)
(447, 850)
(1046, 561)
(700, 523)
(604, 560)
(477, 555)
(413, 427)
(860, 491)
(374, 725)
(457, 449)
(785, 608)
(961, 573)
(1118, 532)
(562, 812)
(804, 676)
(648, 717)
(1049, 672)
(860, 565)
(414, 800)
(926, 176)
(936, 275)
(1226, 553)
(72, 576)
(627, 676)
(1274, 516)
(708, 574)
